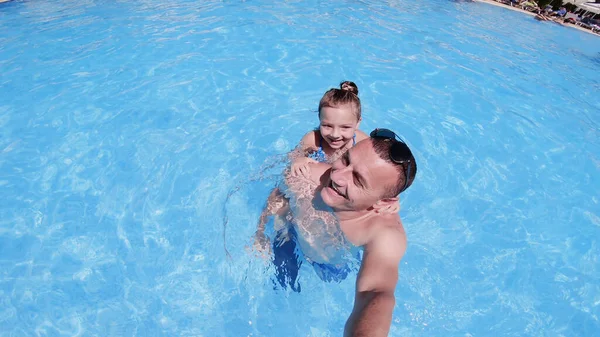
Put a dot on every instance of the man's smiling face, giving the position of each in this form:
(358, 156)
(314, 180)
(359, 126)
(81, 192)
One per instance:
(359, 179)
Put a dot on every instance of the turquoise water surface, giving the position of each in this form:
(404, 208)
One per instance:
(124, 126)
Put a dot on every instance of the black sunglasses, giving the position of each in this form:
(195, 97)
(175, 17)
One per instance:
(399, 151)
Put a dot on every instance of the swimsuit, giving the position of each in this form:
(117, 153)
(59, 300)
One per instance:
(288, 258)
(320, 155)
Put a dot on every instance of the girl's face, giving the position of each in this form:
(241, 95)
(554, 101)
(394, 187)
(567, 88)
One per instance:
(338, 125)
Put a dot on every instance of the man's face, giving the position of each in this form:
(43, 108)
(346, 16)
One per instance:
(359, 179)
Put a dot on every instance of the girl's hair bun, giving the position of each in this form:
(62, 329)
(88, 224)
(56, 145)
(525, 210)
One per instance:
(349, 86)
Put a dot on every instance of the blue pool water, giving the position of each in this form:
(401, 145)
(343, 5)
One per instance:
(124, 125)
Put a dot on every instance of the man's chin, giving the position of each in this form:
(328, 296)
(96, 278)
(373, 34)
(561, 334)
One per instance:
(333, 200)
(327, 198)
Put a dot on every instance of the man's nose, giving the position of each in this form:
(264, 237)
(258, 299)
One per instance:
(339, 176)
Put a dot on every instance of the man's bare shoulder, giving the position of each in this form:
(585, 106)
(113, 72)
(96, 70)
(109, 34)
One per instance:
(382, 254)
(318, 175)
(387, 236)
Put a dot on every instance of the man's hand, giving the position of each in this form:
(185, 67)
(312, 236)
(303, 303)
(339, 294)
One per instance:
(262, 245)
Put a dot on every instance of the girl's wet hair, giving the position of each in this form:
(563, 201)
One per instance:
(346, 94)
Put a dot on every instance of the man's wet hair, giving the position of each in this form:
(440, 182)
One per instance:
(382, 148)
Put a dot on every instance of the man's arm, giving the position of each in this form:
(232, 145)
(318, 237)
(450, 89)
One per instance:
(374, 300)
(276, 204)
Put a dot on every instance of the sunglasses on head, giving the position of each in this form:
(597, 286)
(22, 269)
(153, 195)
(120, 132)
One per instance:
(399, 151)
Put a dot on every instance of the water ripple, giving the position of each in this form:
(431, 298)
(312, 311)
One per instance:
(125, 125)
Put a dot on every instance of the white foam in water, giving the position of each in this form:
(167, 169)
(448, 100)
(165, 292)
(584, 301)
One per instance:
(132, 130)
(280, 145)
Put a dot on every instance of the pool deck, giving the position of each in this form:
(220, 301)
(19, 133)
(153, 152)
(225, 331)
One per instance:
(491, 2)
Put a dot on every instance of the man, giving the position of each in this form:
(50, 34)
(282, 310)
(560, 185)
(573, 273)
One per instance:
(366, 179)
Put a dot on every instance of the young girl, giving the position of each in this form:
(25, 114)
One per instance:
(339, 117)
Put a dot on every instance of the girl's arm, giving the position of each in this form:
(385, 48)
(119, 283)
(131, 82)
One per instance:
(299, 156)
(307, 144)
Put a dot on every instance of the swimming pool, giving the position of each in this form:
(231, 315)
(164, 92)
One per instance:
(125, 124)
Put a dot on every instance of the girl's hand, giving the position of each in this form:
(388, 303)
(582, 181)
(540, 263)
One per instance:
(301, 167)
(395, 208)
